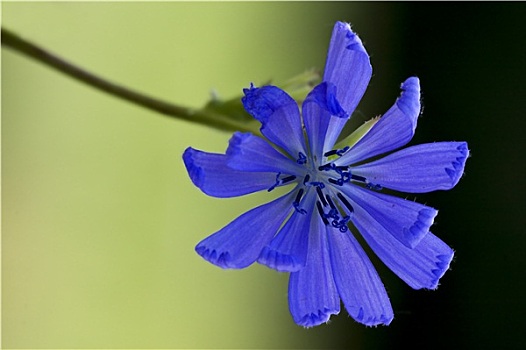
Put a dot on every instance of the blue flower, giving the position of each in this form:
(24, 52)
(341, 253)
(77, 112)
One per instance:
(306, 231)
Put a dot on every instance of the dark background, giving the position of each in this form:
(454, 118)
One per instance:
(471, 60)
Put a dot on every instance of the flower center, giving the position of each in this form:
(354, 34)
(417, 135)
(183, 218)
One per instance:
(332, 205)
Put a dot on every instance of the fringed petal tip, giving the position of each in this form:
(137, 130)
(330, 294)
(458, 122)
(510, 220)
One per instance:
(353, 42)
(456, 170)
(221, 259)
(279, 262)
(235, 143)
(211, 173)
(409, 100)
(443, 261)
(414, 234)
(371, 321)
(195, 172)
(315, 319)
(263, 101)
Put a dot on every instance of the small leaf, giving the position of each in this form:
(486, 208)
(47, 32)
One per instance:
(299, 86)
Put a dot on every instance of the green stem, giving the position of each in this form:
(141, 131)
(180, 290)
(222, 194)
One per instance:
(207, 118)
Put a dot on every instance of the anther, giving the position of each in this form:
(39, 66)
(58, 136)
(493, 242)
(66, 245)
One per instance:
(306, 179)
(330, 153)
(296, 203)
(358, 178)
(329, 200)
(338, 182)
(345, 202)
(322, 214)
(338, 152)
(302, 159)
(326, 167)
(322, 198)
(298, 196)
(288, 179)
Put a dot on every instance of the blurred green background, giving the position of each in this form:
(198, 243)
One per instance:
(100, 219)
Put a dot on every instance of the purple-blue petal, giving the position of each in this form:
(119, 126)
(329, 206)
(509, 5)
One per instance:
(321, 103)
(239, 244)
(279, 115)
(357, 281)
(418, 169)
(313, 296)
(287, 252)
(210, 172)
(348, 67)
(394, 129)
(420, 267)
(406, 220)
(251, 153)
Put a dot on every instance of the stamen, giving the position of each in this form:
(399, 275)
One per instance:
(278, 182)
(333, 214)
(342, 224)
(329, 200)
(326, 167)
(372, 186)
(338, 152)
(299, 195)
(358, 178)
(307, 178)
(320, 194)
(302, 159)
(316, 183)
(342, 151)
(296, 203)
(281, 181)
(338, 182)
(298, 209)
(322, 214)
(345, 202)
(288, 179)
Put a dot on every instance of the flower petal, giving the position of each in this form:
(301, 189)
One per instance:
(279, 115)
(357, 281)
(247, 152)
(394, 129)
(209, 172)
(239, 244)
(348, 67)
(321, 103)
(420, 267)
(418, 169)
(407, 221)
(313, 297)
(287, 252)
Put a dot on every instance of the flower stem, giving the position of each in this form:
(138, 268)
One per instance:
(204, 117)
